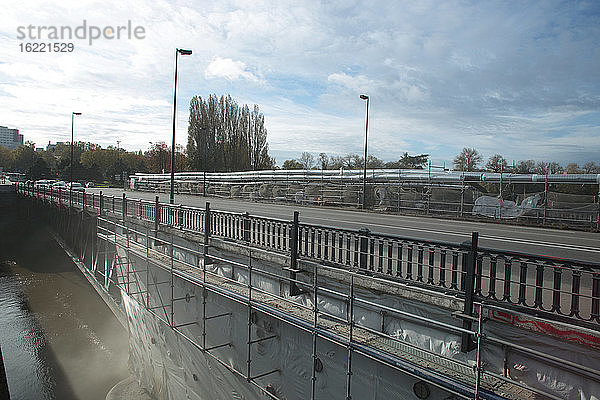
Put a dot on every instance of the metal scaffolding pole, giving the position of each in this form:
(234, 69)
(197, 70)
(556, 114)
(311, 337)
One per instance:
(172, 283)
(147, 268)
(249, 348)
(479, 363)
(314, 333)
(350, 338)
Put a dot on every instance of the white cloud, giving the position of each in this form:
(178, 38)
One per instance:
(229, 69)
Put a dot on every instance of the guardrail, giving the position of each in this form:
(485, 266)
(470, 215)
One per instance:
(550, 287)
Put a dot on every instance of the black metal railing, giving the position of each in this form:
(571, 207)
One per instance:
(542, 285)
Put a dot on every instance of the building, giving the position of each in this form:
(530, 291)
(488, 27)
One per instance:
(10, 137)
(51, 147)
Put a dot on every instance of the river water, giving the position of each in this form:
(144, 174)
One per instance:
(58, 338)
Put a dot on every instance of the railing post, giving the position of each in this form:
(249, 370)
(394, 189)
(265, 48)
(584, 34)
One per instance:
(246, 226)
(207, 228)
(101, 202)
(364, 243)
(204, 185)
(467, 340)
(294, 289)
(156, 214)
(123, 206)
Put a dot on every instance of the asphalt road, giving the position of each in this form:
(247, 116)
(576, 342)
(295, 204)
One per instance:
(583, 246)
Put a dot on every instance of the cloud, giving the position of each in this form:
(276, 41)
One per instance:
(521, 78)
(229, 69)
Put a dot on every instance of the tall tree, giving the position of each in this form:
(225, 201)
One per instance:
(323, 160)
(467, 160)
(222, 136)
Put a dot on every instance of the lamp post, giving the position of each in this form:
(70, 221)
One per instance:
(71, 168)
(365, 97)
(177, 53)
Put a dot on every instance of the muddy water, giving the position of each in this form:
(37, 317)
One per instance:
(58, 338)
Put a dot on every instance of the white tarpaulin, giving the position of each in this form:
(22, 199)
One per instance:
(493, 207)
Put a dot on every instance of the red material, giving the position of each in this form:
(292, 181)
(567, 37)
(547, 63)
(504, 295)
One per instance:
(546, 328)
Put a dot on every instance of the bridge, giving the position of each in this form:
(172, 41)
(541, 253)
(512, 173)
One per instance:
(223, 303)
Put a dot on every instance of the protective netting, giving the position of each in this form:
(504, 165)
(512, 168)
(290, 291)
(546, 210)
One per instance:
(496, 207)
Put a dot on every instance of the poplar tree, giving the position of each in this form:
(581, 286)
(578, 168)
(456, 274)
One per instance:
(222, 136)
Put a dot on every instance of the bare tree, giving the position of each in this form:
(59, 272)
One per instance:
(307, 160)
(496, 163)
(548, 168)
(591, 168)
(525, 167)
(467, 160)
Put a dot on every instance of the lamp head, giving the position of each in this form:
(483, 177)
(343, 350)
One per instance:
(184, 52)
(76, 113)
(364, 97)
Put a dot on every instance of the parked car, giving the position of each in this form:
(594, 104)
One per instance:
(44, 183)
(89, 184)
(75, 186)
(59, 185)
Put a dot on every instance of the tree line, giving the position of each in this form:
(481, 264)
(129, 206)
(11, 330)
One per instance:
(354, 161)
(91, 162)
(470, 159)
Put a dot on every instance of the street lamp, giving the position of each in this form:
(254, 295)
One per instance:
(183, 52)
(365, 97)
(71, 184)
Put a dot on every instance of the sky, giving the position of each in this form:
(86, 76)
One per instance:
(517, 78)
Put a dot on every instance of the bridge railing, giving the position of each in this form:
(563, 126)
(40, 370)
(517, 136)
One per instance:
(567, 289)
(552, 285)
